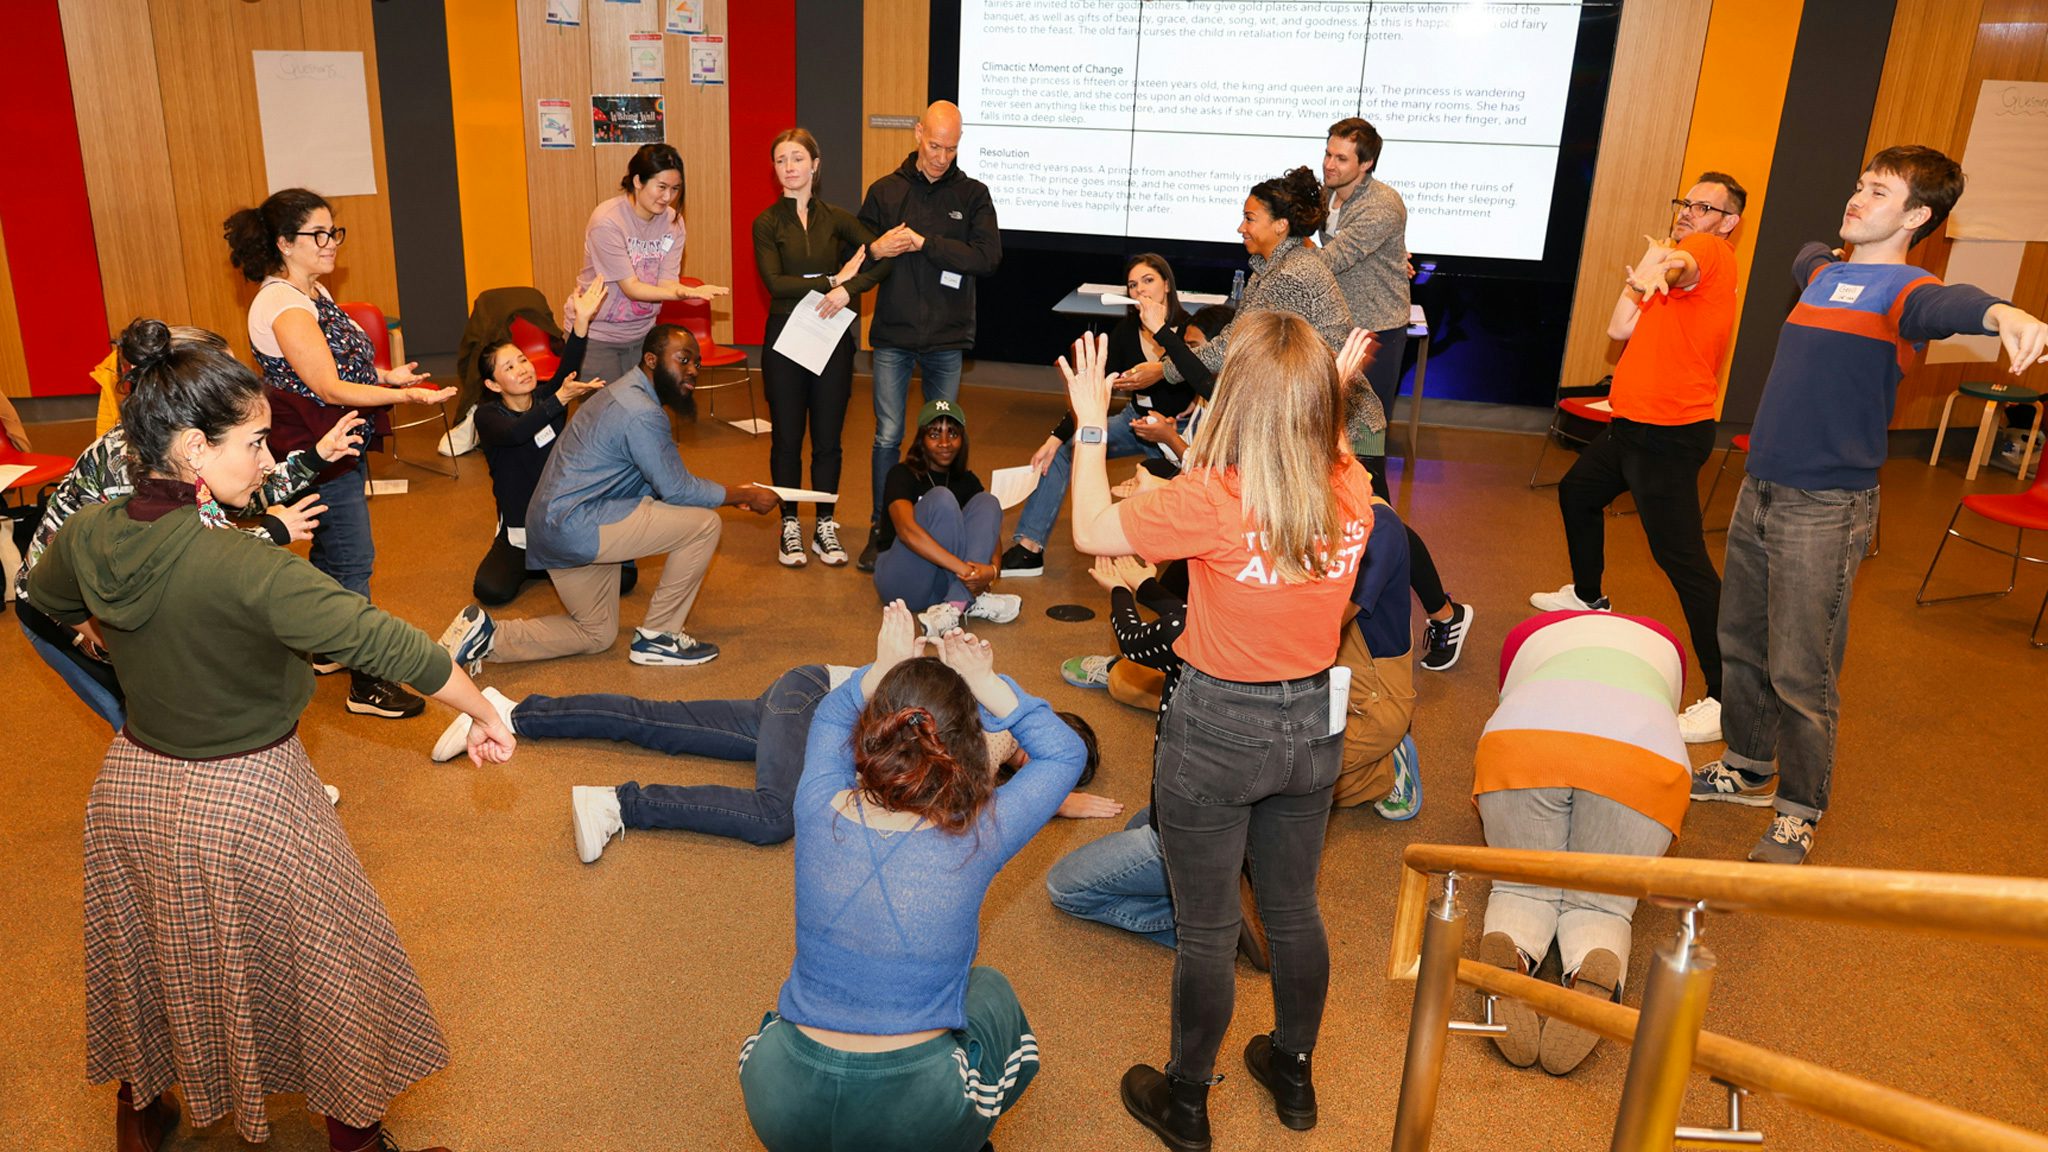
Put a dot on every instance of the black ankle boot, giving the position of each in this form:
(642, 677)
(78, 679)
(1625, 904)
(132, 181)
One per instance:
(1287, 1077)
(1176, 1110)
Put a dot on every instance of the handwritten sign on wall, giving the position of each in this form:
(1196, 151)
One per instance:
(2007, 165)
(315, 112)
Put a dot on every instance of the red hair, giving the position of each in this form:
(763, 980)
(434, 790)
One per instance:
(918, 746)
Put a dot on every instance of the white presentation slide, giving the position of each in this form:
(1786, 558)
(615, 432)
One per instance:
(1153, 118)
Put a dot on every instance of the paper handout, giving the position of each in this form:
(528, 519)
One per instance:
(809, 338)
(1012, 485)
(802, 495)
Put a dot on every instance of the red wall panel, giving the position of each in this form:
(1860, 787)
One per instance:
(761, 68)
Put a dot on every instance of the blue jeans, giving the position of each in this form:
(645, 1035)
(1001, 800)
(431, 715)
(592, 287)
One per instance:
(892, 392)
(969, 533)
(1042, 507)
(104, 702)
(770, 730)
(1118, 880)
(342, 546)
(1792, 560)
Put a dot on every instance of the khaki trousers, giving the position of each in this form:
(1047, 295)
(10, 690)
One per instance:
(687, 536)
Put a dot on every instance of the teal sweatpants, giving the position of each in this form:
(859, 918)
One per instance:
(943, 1095)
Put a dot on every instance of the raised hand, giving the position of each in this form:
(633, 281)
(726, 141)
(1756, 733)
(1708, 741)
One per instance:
(1357, 353)
(404, 376)
(299, 518)
(898, 639)
(1087, 384)
(574, 389)
(968, 655)
(1132, 571)
(343, 440)
(1104, 573)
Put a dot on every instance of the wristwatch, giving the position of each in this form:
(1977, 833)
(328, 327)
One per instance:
(1092, 434)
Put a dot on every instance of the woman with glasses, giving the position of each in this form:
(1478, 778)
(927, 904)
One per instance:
(319, 367)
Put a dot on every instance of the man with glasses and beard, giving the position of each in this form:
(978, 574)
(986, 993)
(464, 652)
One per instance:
(615, 490)
(1676, 311)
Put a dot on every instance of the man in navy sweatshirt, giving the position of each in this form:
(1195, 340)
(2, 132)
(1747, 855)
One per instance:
(1808, 506)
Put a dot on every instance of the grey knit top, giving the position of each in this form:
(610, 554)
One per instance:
(1368, 251)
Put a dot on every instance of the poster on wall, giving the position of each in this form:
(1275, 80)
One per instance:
(628, 119)
(644, 50)
(557, 124)
(685, 17)
(2007, 163)
(315, 114)
(1994, 266)
(707, 59)
(566, 13)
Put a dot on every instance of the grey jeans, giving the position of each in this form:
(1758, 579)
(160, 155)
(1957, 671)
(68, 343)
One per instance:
(1565, 820)
(1792, 560)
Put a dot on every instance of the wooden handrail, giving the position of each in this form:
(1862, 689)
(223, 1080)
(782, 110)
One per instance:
(1882, 1111)
(2002, 909)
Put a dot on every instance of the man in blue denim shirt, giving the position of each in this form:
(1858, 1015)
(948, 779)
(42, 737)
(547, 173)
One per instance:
(614, 490)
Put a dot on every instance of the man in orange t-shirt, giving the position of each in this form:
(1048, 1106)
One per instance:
(1677, 311)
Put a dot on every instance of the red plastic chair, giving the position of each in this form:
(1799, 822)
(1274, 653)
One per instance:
(1583, 408)
(695, 316)
(2022, 511)
(539, 349)
(372, 321)
(43, 469)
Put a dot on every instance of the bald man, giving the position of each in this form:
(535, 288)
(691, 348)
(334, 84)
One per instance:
(936, 230)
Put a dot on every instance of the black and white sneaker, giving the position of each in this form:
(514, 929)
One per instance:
(790, 551)
(1445, 639)
(1022, 561)
(825, 542)
(323, 666)
(369, 696)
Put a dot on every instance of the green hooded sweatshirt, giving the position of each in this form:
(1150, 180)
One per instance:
(208, 627)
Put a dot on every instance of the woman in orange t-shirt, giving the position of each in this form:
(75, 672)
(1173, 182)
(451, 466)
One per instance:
(1271, 514)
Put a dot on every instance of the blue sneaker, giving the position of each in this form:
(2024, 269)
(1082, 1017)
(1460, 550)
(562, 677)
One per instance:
(468, 638)
(670, 649)
(1406, 798)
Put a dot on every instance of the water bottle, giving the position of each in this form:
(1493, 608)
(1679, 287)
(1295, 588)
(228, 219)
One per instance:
(1236, 287)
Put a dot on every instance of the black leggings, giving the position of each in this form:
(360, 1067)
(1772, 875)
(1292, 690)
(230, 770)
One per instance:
(503, 573)
(795, 395)
(1422, 577)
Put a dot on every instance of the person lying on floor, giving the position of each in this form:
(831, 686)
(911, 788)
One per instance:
(940, 531)
(1120, 879)
(1583, 755)
(886, 1034)
(769, 730)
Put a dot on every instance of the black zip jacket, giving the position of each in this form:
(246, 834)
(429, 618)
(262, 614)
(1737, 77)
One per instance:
(913, 307)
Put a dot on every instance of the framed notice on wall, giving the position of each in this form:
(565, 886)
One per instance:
(707, 59)
(557, 124)
(628, 119)
(2007, 163)
(315, 114)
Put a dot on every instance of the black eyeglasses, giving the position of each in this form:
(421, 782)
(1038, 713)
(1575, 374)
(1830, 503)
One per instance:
(1700, 206)
(325, 237)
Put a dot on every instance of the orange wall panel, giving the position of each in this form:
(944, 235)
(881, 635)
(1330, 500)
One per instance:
(490, 143)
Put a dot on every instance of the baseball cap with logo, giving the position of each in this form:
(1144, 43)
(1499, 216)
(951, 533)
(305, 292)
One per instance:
(934, 409)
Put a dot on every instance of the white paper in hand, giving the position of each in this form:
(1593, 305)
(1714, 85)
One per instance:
(802, 495)
(809, 338)
(1012, 485)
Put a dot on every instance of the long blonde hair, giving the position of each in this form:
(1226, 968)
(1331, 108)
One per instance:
(1274, 420)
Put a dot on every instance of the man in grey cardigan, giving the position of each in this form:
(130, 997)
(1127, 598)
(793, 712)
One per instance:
(1364, 241)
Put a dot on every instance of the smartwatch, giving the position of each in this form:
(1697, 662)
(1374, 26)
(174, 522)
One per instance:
(1092, 434)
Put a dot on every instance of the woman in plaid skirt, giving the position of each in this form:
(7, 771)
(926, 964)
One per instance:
(233, 945)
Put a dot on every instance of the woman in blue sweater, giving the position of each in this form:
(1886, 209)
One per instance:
(886, 1036)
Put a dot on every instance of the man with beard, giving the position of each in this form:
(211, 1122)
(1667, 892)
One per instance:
(614, 490)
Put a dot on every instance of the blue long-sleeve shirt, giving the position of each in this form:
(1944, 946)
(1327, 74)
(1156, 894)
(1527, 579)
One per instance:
(887, 923)
(1385, 613)
(616, 452)
(1835, 379)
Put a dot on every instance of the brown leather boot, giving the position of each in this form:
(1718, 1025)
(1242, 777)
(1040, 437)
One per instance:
(143, 1130)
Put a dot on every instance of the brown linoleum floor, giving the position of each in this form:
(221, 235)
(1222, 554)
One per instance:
(602, 1007)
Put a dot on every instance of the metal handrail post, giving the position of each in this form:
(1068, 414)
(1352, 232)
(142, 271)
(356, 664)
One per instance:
(1667, 1037)
(1429, 1024)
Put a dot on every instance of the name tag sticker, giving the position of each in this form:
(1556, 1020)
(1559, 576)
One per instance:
(545, 436)
(1846, 293)
(950, 279)
(668, 242)
(516, 537)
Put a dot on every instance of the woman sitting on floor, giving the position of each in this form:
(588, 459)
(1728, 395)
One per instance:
(885, 1035)
(937, 546)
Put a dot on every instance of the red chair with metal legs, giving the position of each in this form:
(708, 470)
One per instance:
(695, 316)
(2023, 512)
(539, 349)
(1594, 408)
(383, 336)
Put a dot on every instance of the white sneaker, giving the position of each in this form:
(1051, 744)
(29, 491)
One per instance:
(1701, 723)
(454, 739)
(460, 439)
(1566, 599)
(789, 552)
(333, 793)
(939, 619)
(995, 607)
(595, 812)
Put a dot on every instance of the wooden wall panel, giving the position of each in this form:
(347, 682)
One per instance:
(1940, 54)
(13, 359)
(368, 267)
(554, 64)
(121, 138)
(1641, 160)
(563, 186)
(895, 73)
